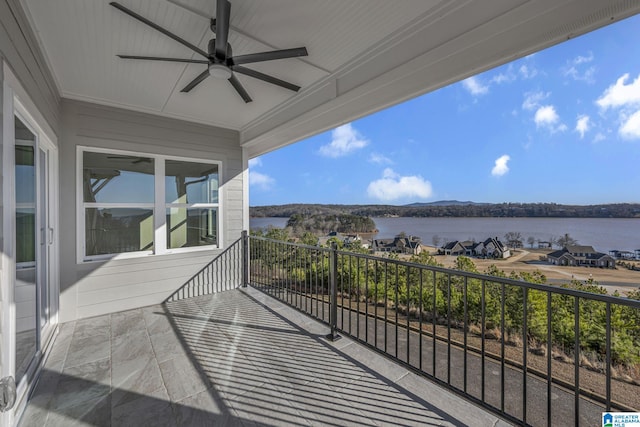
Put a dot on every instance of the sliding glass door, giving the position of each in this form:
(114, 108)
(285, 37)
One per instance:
(34, 237)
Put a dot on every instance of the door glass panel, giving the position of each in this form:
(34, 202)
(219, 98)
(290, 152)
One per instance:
(26, 259)
(43, 262)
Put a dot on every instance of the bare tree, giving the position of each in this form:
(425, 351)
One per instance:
(531, 240)
(513, 238)
(566, 240)
(435, 240)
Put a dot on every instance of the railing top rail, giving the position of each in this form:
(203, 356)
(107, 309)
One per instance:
(297, 245)
(485, 277)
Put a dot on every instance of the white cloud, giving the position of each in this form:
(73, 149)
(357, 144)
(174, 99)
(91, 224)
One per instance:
(547, 117)
(532, 100)
(583, 59)
(630, 129)
(344, 140)
(380, 159)
(528, 72)
(475, 87)
(575, 70)
(582, 125)
(625, 98)
(585, 76)
(260, 180)
(393, 186)
(506, 77)
(256, 161)
(500, 168)
(599, 137)
(619, 94)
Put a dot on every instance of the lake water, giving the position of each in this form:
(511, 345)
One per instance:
(604, 234)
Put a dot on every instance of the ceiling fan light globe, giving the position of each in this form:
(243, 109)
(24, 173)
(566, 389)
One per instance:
(220, 71)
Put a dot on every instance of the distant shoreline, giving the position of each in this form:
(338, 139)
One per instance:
(455, 210)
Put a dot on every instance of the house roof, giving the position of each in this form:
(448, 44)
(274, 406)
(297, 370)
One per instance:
(364, 55)
(450, 245)
(581, 249)
(557, 254)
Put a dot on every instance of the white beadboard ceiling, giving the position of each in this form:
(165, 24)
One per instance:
(364, 55)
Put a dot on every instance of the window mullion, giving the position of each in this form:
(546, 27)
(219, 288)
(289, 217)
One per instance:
(159, 214)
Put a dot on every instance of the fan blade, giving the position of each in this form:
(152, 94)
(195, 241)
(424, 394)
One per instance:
(271, 55)
(264, 77)
(240, 89)
(195, 82)
(155, 58)
(223, 15)
(158, 28)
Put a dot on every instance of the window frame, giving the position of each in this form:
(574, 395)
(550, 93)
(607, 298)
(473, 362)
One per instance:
(158, 207)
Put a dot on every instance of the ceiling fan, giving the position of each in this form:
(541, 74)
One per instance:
(219, 59)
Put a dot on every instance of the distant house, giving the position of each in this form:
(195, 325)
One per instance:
(402, 245)
(492, 248)
(453, 248)
(544, 245)
(346, 239)
(581, 256)
(622, 254)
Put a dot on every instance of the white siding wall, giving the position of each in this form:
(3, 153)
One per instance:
(94, 288)
(20, 53)
(3, 285)
(20, 50)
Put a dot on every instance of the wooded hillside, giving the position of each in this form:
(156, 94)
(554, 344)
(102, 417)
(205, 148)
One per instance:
(343, 223)
(533, 210)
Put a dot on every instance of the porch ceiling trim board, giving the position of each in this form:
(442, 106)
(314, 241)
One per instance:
(353, 92)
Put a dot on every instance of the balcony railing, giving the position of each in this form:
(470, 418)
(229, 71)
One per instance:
(223, 273)
(535, 354)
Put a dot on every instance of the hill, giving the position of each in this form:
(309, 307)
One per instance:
(444, 203)
(456, 209)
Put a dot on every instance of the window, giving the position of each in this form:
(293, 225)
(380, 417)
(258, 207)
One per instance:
(145, 204)
(191, 196)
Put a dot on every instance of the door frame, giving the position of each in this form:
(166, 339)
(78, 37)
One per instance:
(17, 103)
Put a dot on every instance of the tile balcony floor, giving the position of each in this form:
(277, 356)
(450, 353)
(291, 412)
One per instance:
(234, 358)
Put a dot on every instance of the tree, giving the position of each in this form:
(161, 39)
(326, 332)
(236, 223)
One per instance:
(566, 240)
(531, 240)
(275, 233)
(309, 238)
(513, 238)
(435, 240)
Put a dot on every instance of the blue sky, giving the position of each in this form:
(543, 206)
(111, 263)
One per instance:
(561, 125)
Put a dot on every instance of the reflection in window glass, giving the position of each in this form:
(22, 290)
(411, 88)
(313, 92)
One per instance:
(115, 178)
(25, 175)
(25, 203)
(25, 229)
(187, 227)
(117, 230)
(190, 182)
(26, 261)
